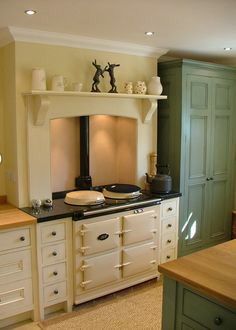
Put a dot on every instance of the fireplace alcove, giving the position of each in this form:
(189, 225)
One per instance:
(43, 107)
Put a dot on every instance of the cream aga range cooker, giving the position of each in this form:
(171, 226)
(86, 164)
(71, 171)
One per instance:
(115, 243)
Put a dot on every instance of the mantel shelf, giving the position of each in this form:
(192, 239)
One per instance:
(41, 101)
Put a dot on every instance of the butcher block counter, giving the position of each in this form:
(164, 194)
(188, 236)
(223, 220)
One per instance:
(200, 289)
(11, 217)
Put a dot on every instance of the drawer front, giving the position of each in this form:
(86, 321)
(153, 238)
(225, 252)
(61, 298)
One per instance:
(168, 225)
(100, 236)
(15, 266)
(14, 239)
(139, 259)
(100, 270)
(53, 232)
(54, 273)
(168, 241)
(206, 312)
(54, 293)
(16, 295)
(168, 255)
(53, 253)
(139, 227)
(168, 208)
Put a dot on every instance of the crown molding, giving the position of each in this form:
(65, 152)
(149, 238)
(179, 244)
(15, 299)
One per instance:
(12, 33)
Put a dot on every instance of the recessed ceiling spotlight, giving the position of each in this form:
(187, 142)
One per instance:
(227, 48)
(149, 33)
(30, 12)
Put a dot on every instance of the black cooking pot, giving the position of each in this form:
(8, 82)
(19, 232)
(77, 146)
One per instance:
(160, 183)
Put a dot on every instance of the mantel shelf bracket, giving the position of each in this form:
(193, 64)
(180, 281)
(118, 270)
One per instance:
(149, 113)
(41, 106)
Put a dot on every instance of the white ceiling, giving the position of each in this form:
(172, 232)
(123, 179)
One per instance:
(197, 29)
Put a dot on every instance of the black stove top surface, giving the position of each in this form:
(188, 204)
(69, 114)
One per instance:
(60, 209)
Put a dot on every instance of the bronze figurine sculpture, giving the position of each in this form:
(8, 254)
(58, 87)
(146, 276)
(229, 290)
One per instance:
(110, 70)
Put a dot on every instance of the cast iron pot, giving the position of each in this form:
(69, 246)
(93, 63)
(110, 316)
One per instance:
(160, 183)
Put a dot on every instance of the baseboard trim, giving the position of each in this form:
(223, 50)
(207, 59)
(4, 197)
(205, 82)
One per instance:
(3, 199)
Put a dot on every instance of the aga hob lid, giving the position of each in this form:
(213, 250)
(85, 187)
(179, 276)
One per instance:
(84, 197)
(121, 191)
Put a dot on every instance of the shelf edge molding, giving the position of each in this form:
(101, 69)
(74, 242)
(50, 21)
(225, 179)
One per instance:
(40, 101)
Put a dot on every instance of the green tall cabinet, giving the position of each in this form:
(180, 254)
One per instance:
(196, 138)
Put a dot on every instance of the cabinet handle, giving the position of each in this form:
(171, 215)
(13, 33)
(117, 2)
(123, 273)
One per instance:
(82, 284)
(167, 257)
(208, 179)
(169, 225)
(170, 209)
(55, 273)
(55, 291)
(153, 262)
(211, 178)
(169, 241)
(22, 238)
(218, 320)
(54, 233)
(54, 253)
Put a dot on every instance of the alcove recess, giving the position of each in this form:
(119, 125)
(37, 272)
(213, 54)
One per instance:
(112, 151)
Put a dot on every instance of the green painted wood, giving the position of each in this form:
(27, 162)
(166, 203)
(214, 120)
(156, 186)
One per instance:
(196, 137)
(169, 307)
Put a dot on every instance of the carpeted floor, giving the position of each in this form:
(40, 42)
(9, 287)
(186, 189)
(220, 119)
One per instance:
(138, 307)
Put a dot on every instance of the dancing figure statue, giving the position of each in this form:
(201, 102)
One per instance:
(110, 70)
(96, 79)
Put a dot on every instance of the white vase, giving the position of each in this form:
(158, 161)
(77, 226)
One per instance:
(154, 86)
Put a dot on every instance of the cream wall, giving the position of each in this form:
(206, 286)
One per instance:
(2, 177)
(75, 65)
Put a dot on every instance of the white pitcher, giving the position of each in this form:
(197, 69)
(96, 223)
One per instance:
(38, 79)
(58, 83)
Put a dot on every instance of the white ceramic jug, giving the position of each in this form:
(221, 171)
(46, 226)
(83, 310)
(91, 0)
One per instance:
(38, 79)
(58, 83)
(154, 87)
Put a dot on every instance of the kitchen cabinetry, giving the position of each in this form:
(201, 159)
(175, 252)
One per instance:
(16, 293)
(54, 265)
(195, 136)
(169, 219)
(112, 252)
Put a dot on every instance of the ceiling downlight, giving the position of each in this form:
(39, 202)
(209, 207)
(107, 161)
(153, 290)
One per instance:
(30, 12)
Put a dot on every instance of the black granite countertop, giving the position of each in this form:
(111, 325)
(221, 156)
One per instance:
(62, 210)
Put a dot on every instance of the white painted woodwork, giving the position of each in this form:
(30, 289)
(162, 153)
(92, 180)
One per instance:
(53, 232)
(55, 272)
(12, 239)
(169, 222)
(54, 293)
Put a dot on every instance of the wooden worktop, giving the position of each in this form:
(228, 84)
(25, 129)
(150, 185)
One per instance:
(211, 271)
(11, 217)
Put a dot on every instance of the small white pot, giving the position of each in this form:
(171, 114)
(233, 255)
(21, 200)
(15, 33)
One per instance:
(154, 86)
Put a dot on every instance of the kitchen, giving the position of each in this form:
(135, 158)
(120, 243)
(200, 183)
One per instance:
(18, 59)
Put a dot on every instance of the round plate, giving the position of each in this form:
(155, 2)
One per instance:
(122, 188)
(117, 195)
(84, 197)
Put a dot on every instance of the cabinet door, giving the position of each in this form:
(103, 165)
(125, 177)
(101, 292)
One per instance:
(219, 215)
(100, 270)
(138, 259)
(100, 236)
(139, 227)
(197, 162)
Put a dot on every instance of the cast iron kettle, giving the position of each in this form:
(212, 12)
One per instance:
(160, 183)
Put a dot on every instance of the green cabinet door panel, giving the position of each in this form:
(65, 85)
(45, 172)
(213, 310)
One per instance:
(196, 138)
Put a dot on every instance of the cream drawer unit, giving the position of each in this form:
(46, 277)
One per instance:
(54, 241)
(15, 266)
(54, 293)
(53, 233)
(140, 226)
(17, 255)
(15, 297)
(12, 239)
(53, 253)
(100, 236)
(168, 255)
(169, 208)
(54, 273)
(169, 222)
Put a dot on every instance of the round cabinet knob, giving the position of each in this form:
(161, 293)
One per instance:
(55, 291)
(54, 253)
(169, 241)
(218, 320)
(22, 238)
(170, 209)
(169, 225)
(167, 257)
(54, 233)
(208, 179)
(55, 273)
